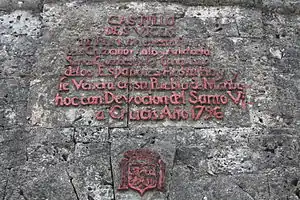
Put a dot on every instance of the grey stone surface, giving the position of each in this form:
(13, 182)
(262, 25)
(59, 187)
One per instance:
(218, 187)
(235, 151)
(91, 172)
(13, 151)
(30, 182)
(32, 5)
(284, 183)
(282, 6)
(63, 153)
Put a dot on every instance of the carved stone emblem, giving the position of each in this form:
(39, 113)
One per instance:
(142, 170)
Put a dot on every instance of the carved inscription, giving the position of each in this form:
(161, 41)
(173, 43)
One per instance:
(142, 170)
(140, 62)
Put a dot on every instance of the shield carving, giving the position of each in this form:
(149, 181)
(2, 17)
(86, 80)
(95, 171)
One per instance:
(142, 170)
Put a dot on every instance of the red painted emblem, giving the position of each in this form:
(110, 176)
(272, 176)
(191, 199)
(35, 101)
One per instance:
(142, 170)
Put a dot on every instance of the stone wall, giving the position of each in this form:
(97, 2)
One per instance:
(64, 153)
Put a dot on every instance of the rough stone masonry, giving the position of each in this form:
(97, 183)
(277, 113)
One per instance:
(211, 86)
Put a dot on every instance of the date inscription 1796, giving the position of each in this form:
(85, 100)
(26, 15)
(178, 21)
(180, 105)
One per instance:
(138, 68)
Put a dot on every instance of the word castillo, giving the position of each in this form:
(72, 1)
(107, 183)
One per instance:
(144, 26)
(142, 20)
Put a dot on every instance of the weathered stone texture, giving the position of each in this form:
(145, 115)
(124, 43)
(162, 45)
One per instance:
(32, 5)
(63, 153)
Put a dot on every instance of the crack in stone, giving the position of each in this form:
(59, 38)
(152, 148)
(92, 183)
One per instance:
(171, 179)
(111, 166)
(77, 119)
(245, 192)
(150, 140)
(26, 153)
(171, 171)
(21, 192)
(74, 138)
(245, 37)
(269, 187)
(237, 27)
(5, 188)
(73, 186)
(41, 6)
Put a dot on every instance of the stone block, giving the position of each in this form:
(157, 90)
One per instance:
(235, 151)
(13, 90)
(160, 140)
(13, 152)
(29, 182)
(50, 146)
(284, 183)
(31, 5)
(282, 6)
(249, 23)
(20, 23)
(91, 171)
(13, 115)
(220, 187)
